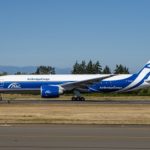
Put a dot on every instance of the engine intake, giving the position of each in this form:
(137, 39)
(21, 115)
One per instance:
(50, 91)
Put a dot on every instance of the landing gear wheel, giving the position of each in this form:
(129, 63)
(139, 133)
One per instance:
(78, 99)
(73, 99)
(77, 96)
(82, 98)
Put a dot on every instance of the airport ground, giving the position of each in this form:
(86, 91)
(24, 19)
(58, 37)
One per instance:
(93, 96)
(99, 112)
(100, 123)
(74, 137)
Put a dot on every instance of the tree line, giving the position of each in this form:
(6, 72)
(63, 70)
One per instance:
(84, 67)
(96, 68)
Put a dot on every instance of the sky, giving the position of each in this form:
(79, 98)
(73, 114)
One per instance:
(59, 32)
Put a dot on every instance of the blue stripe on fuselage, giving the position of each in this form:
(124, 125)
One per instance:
(114, 85)
(28, 85)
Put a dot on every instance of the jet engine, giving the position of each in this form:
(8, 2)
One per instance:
(51, 91)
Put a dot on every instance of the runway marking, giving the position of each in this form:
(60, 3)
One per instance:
(87, 137)
(5, 125)
(77, 147)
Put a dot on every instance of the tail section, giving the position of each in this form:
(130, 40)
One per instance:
(141, 79)
(146, 68)
(144, 74)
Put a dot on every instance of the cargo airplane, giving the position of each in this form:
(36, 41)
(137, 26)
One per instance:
(51, 86)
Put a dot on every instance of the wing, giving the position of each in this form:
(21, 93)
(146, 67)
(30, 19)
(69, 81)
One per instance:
(84, 83)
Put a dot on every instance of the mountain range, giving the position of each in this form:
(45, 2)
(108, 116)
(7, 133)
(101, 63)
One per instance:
(30, 69)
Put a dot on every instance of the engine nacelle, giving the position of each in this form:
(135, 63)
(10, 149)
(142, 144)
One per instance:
(49, 91)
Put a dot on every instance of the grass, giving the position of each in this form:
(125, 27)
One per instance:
(68, 97)
(75, 114)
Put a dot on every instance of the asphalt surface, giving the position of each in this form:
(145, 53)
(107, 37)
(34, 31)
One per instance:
(75, 102)
(73, 137)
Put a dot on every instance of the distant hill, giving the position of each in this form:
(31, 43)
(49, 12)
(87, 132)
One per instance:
(30, 69)
(63, 70)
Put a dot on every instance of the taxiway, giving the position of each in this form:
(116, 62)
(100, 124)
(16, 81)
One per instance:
(74, 137)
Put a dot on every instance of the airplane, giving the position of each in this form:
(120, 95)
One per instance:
(51, 86)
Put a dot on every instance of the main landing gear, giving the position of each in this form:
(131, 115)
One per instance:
(77, 96)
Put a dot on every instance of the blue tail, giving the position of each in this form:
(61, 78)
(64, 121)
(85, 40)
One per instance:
(146, 68)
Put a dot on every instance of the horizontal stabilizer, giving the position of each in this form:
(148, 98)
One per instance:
(148, 81)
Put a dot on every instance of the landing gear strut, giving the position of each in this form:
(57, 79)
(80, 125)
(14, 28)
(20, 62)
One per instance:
(77, 96)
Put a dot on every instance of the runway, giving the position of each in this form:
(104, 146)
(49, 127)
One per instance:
(74, 137)
(75, 102)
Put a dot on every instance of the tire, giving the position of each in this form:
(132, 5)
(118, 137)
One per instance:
(73, 99)
(78, 99)
(82, 99)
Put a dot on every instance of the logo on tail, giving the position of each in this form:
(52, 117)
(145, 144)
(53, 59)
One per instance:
(140, 78)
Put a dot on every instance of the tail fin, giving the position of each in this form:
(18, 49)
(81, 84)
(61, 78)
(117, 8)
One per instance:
(145, 69)
(141, 77)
